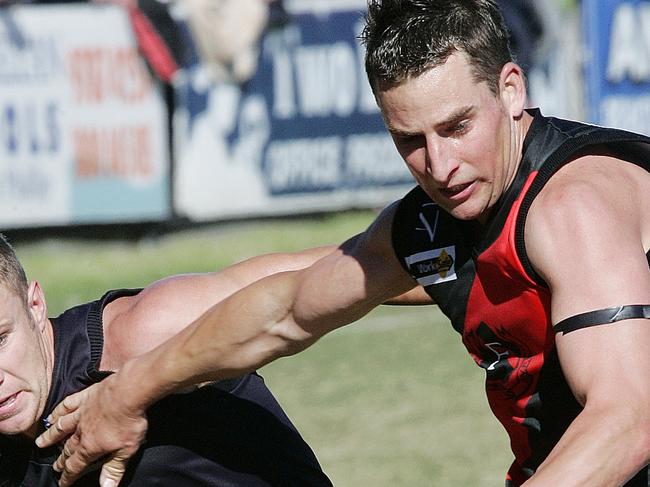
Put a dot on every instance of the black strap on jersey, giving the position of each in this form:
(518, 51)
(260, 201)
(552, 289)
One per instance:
(603, 317)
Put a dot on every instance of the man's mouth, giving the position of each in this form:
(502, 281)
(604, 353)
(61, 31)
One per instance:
(7, 402)
(455, 190)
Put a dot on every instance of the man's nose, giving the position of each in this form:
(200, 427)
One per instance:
(440, 160)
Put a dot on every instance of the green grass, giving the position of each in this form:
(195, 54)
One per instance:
(393, 400)
(74, 271)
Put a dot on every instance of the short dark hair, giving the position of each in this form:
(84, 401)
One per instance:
(12, 274)
(405, 38)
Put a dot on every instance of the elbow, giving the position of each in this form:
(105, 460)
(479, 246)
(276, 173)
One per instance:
(637, 412)
(637, 440)
(638, 449)
(622, 434)
(642, 440)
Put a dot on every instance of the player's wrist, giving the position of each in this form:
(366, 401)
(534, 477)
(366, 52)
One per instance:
(134, 387)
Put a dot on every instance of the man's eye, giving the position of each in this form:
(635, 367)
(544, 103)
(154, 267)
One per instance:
(460, 127)
(408, 139)
(3, 339)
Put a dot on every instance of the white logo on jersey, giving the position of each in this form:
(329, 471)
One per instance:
(433, 266)
(500, 355)
(431, 230)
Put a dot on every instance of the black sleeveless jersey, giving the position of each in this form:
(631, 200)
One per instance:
(231, 433)
(482, 280)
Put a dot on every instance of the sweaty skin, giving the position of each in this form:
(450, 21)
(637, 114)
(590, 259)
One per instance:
(463, 145)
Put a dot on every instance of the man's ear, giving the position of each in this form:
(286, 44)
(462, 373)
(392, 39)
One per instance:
(512, 89)
(36, 304)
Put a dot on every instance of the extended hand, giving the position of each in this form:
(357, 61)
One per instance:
(95, 424)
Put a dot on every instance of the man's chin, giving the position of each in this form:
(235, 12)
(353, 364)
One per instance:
(18, 425)
(9, 431)
(464, 212)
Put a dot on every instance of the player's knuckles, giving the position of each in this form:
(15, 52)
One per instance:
(59, 464)
(61, 426)
(67, 449)
(88, 453)
(74, 467)
(114, 468)
(70, 403)
(70, 446)
(66, 479)
(59, 410)
(47, 438)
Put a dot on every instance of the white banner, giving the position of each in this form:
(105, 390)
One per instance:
(82, 126)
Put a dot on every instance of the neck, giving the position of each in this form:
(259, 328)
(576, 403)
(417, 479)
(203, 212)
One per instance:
(48, 339)
(518, 132)
(48, 353)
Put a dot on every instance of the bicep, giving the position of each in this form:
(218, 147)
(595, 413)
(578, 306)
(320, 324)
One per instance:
(589, 250)
(608, 362)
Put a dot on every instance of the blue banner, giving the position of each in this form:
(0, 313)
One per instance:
(617, 34)
(304, 133)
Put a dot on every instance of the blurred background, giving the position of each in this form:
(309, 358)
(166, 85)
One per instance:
(142, 138)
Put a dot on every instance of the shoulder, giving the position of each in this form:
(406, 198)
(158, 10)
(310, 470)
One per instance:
(587, 194)
(136, 324)
(588, 227)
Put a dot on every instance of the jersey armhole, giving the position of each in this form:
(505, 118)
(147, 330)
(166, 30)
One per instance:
(95, 329)
(564, 154)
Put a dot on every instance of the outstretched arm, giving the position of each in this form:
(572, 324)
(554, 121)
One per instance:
(595, 260)
(277, 316)
(136, 324)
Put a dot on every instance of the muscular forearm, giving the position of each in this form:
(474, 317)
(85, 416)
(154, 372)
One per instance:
(273, 317)
(603, 447)
(242, 274)
(238, 335)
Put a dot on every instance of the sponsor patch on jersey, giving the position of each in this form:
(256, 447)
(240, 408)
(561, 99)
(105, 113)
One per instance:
(433, 266)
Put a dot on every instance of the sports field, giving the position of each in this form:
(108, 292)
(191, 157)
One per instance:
(393, 400)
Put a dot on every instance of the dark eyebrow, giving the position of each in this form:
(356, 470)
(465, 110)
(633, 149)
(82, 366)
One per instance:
(457, 116)
(451, 120)
(402, 133)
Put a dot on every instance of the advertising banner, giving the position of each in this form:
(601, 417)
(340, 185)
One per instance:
(302, 134)
(83, 135)
(618, 63)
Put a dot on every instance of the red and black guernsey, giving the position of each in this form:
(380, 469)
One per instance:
(481, 279)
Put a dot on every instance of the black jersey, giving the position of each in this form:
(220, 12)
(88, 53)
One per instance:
(482, 280)
(230, 434)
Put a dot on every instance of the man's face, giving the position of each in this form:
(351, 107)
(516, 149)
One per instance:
(25, 364)
(456, 136)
